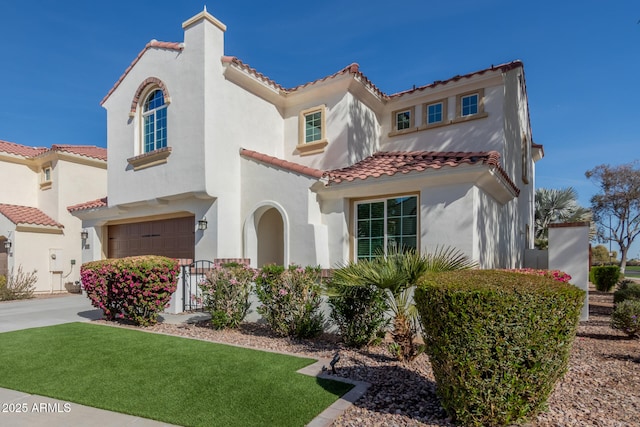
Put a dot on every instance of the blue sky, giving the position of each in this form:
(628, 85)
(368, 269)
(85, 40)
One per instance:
(581, 59)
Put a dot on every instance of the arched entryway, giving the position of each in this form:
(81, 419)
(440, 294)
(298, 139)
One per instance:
(270, 232)
(266, 235)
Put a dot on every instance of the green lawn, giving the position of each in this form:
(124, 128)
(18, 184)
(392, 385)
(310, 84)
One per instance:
(170, 379)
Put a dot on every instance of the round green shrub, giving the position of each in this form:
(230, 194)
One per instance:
(359, 313)
(605, 277)
(626, 317)
(498, 341)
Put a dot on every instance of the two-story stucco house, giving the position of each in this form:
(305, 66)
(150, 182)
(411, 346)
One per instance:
(210, 159)
(37, 232)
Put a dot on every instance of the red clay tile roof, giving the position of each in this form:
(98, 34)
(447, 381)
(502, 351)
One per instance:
(20, 150)
(249, 70)
(389, 163)
(30, 152)
(502, 67)
(282, 164)
(354, 69)
(349, 69)
(82, 150)
(152, 44)
(27, 215)
(93, 204)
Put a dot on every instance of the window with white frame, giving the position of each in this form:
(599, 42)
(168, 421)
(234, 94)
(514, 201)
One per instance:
(470, 105)
(435, 113)
(313, 127)
(154, 118)
(313, 131)
(383, 224)
(403, 120)
(46, 177)
(525, 159)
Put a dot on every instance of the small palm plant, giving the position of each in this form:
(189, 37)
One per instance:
(397, 272)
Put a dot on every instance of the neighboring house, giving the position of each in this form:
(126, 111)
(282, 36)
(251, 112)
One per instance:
(210, 159)
(36, 230)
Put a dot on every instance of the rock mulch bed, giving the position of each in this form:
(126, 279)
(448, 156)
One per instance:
(601, 388)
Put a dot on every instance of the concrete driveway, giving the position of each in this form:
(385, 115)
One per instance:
(33, 313)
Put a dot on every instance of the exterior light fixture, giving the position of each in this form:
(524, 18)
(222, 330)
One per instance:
(7, 244)
(202, 223)
(84, 234)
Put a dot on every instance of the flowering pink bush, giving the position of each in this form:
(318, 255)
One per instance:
(133, 288)
(225, 291)
(558, 275)
(291, 300)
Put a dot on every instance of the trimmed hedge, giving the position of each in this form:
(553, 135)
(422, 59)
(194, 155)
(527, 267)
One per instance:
(133, 288)
(605, 277)
(498, 341)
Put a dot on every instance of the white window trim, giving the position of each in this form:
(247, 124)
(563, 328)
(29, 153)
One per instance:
(144, 114)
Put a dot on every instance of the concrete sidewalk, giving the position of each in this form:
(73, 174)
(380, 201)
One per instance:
(18, 409)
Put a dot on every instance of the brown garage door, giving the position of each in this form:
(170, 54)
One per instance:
(174, 238)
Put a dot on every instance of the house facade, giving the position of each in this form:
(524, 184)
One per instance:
(210, 159)
(37, 232)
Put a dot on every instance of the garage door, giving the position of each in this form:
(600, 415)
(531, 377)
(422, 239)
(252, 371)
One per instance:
(174, 238)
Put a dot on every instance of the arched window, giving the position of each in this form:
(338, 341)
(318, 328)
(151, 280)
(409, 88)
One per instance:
(154, 114)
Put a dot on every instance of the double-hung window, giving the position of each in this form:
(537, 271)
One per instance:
(313, 127)
(46, 177)
(403, 121)
(385, 224)
(154, 115)
(435, 113)
(470, 105)
(313, 131)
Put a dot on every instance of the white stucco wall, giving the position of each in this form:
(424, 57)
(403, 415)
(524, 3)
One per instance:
(569, 252)
(74, 179)
(185, 130)
(24, 183)
(305, 236)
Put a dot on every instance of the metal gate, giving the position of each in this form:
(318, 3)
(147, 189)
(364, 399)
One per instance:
(192, 275)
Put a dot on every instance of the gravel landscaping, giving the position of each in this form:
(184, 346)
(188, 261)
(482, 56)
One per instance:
(601, 388)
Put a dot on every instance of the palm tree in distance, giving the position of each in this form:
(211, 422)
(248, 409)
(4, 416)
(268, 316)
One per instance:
(553, 206)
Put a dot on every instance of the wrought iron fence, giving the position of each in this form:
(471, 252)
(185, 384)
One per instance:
(192, 275)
